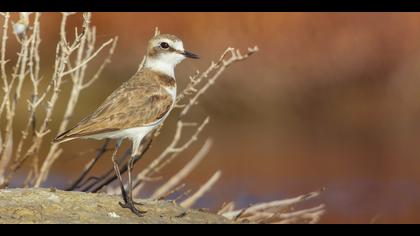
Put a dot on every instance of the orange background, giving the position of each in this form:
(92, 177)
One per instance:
(331, 100)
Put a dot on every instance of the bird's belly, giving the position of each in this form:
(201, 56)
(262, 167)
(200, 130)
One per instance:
(131, 133)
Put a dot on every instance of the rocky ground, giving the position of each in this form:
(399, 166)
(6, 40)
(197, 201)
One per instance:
(54, 206)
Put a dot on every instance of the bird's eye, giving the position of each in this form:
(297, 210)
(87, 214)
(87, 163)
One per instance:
(164, 45)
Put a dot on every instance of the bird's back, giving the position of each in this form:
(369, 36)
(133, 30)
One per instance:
(140, 101)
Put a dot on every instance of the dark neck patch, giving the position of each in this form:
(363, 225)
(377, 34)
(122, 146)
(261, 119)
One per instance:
(165, 80)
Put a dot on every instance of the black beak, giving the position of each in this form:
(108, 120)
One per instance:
(190, 55)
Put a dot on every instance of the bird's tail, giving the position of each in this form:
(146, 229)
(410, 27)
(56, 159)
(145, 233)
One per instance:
(63, 137)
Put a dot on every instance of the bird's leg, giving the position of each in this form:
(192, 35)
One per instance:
(136, 156)
(130, 180)
(130, 204)
(117, 170)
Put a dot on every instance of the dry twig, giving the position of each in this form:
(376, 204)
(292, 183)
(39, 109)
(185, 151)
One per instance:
(189, 202)
(184, 172)
(73, 56)
(277, 211)
(28, 64)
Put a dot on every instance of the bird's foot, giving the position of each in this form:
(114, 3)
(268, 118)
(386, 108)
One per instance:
(131, 205)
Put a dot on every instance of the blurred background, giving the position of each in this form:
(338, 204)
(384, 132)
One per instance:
(331, 100)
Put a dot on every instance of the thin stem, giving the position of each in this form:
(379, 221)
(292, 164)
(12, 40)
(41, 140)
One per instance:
(90, 165)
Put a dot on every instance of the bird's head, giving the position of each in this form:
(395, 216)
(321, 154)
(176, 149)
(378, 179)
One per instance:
(164, 52)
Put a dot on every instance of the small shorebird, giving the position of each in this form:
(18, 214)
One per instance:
(137, 107)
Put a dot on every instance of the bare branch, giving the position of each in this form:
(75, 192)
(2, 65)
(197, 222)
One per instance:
(274, 204)
(173, 191)
(34, 68)
(84, 43)
(278, 212)
(88, 59)
(184, 172)
(89, 165)
(6, 156)
(230, 206)
(157, 32)
(170, 152)
(217, 69)
(310, 215)
(189, 202)
(103, 65)
(141, 63)
(3, 61)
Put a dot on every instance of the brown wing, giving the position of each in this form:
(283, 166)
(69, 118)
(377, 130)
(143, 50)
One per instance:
(140, 101)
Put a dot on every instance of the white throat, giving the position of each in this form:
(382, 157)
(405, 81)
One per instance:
(161, 66)
(164, 63)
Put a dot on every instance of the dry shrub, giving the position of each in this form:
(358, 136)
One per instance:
(73, 56)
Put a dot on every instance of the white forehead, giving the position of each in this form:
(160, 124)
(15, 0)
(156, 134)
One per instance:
(177, 44)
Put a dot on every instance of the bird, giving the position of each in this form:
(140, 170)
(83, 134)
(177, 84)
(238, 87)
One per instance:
(137, 107)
